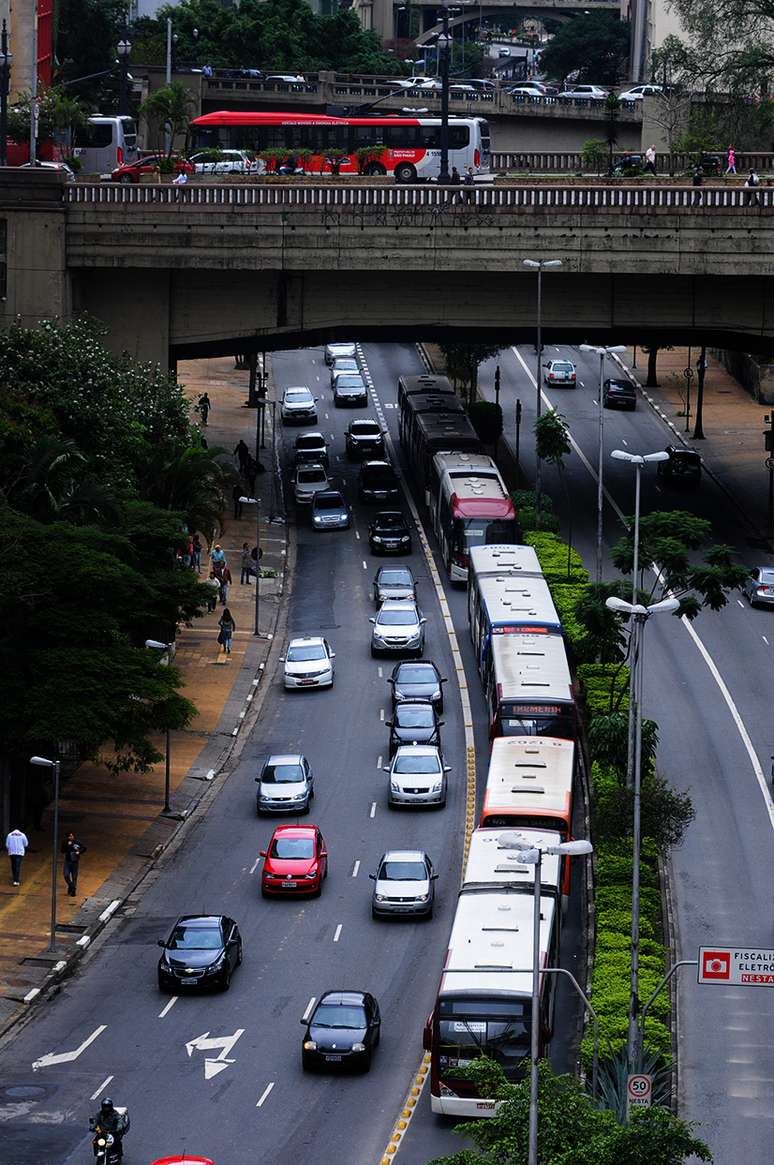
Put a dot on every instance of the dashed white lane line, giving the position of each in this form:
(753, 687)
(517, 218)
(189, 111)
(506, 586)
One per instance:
(96, 1095)
(379, 761)
(357, 535)
(381, 714)
(265, 1094)
(380, 671)
(309, 1007)
(356, 868)
(365, 565)
(255, 864)
(337, 933)
(373, 809)
(765, 640)
(166, 1010)
(625, 442)
(739, 601)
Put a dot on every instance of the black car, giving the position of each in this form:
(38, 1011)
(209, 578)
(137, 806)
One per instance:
(417, 680)
(343, 1029)
(377, 482)
(389, 533)
(682, 467)
(414, 722)
(364, 439)
(619, 394)
(394, 582)
(628, 165)
(201, 951)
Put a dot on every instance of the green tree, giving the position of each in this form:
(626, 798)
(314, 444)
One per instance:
(487, 420)
(168, 111)
(699, 574)
(593, 154)
(87, 32)
(729, 43)
(604, 632)
(596, 44)
(552, 438)
(463, 362)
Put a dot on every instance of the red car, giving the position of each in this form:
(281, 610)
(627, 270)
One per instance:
(296, 861)
(184, 1161)
(131, 171)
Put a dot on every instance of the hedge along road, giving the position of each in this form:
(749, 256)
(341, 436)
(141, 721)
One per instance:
(707, 687)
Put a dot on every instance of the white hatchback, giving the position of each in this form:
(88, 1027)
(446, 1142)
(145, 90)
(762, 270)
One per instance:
(298, 404)
(309, 663)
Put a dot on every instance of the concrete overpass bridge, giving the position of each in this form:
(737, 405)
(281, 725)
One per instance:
(501, 11)
(180, 272)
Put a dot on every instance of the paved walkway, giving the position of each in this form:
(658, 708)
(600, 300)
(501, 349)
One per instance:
(117, 817)
(732, 448)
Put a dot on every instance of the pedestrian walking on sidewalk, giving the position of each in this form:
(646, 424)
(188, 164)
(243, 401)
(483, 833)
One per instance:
(204, 405)
(696, 182)
(213, 583)
(218, 556)
(196, 558)
(251, 472)
(16, 843)
(225, 580)
(731, 159)
(650, 159)
(227, 629)
(188, 552)
(751, 183)
(247, 565)
(241, 452)
(236, 494)
(72, 851)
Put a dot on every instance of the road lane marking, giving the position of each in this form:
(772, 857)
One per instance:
(95, 1095)
(739, 601)
(255, 864)
(765, 640)
(373, 809)
(379, 761)
(264, 1095)
(337, 934)
(365, 565)
(51, 1058)
(168, 1007)
(355, 868)
(380, 671)
(623, 439)
(357, 535)
(381, 714)
(309, 1007)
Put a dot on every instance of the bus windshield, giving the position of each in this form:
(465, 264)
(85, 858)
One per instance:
(534, 720)
(486, 532)
(469, 1028)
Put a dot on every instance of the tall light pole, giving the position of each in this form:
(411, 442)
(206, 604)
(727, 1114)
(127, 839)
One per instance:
(157, 645)
(443, 45)
(257, 503)
(540, 265)
(532, 854)
(123, 49)
(601, 352)
(44, 763)
(639, 616)
(5, 85)
(34, 108)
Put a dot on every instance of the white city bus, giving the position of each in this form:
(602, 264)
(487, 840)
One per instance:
(501, 606)
(528, 687)
(469, 504)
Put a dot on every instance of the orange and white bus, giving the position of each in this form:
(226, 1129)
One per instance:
(530, 784)
(409, 148)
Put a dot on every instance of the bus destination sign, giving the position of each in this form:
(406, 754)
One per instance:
(737, 966)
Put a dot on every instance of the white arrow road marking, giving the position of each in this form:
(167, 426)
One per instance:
(206, 1043)
(67, 1057)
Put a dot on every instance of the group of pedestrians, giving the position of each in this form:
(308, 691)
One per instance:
(249, 468)
(17, 844)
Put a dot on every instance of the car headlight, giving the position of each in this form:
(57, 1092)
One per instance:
(395, 786)
(377, 538)
(381, 897)
(310, 1046)
(358, 1047)
(298, 797)
(218, 965)
(421, 897)
(436, 694)
(437, 786)
(312, 873)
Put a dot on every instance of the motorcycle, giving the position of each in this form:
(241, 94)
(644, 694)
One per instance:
(108, 1147)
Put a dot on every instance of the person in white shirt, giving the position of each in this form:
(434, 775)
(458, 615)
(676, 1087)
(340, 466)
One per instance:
(16, 843)
(650, 159)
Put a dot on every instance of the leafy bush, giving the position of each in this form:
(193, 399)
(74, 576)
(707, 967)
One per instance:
(553, 554)
(605, 687)
(524, 501)
(565, 596)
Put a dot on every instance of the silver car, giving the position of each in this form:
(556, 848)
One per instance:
(417, 776)
(394, 582)
(404, 885)
(398, 626)
(759, 587)
(286, 785)
(309, 480)
(338, 349)
(298, 404)
(344, 364)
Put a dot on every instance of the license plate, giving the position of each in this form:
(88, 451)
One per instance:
(188, 982)
(333, 1059)
(289, 885)
(306, 683)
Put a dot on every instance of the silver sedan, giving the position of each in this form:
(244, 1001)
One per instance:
(759, 587)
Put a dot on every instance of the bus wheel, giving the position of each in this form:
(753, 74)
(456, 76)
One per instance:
(405, 172)
(375, 169)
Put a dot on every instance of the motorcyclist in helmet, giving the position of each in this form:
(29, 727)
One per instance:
(109, 1120)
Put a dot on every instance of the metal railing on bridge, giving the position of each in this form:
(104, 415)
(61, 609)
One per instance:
(571, 162)
(490, 199)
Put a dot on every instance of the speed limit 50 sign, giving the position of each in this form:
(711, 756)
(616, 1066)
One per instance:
(639, 1090)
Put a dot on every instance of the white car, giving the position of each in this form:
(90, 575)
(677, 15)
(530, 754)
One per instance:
(309, 663)
(560, 372)
(309, 480)
(229, 162)
(404, 885)
(339, 350)
(285, 79)
(398, 626)
(417, 776)
(637, 92)
(526, 91)
(584, 92)
(299, 405)
(344, 364)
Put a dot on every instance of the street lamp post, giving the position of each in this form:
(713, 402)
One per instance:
(532, 854)
(123, 49)
(443, 44)
(601, 352)
(639, 615)
(157, 645)
(540, 265)
(5, 85)
(45, 763)
(257, 503)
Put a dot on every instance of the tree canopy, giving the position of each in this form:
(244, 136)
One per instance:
(595, 44)
(729, 44)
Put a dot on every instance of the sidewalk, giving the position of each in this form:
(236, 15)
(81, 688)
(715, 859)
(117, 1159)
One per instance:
(118, 817)
(732, 449)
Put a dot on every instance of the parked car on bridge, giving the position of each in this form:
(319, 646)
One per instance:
(149, 164)
(223, 162)
(584, 93)
(637, 92)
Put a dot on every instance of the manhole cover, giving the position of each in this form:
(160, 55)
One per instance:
(24, 1092)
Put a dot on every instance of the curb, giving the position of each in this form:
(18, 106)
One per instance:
(235, 740)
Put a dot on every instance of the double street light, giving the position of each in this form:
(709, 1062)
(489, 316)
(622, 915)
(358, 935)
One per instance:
(44, 763)
(540, 265)
(123, 49)
(532, 854)
(443, 45)
(602, 351)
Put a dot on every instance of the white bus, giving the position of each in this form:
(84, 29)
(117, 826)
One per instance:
(529, 785)
(528, 687)
(469, 506)
(104, 143)
(501, 561)
(500, 606)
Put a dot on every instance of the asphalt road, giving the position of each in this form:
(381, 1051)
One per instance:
(721, 871)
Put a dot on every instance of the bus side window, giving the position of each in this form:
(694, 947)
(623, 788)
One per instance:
(430, 137)
(459, 137)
